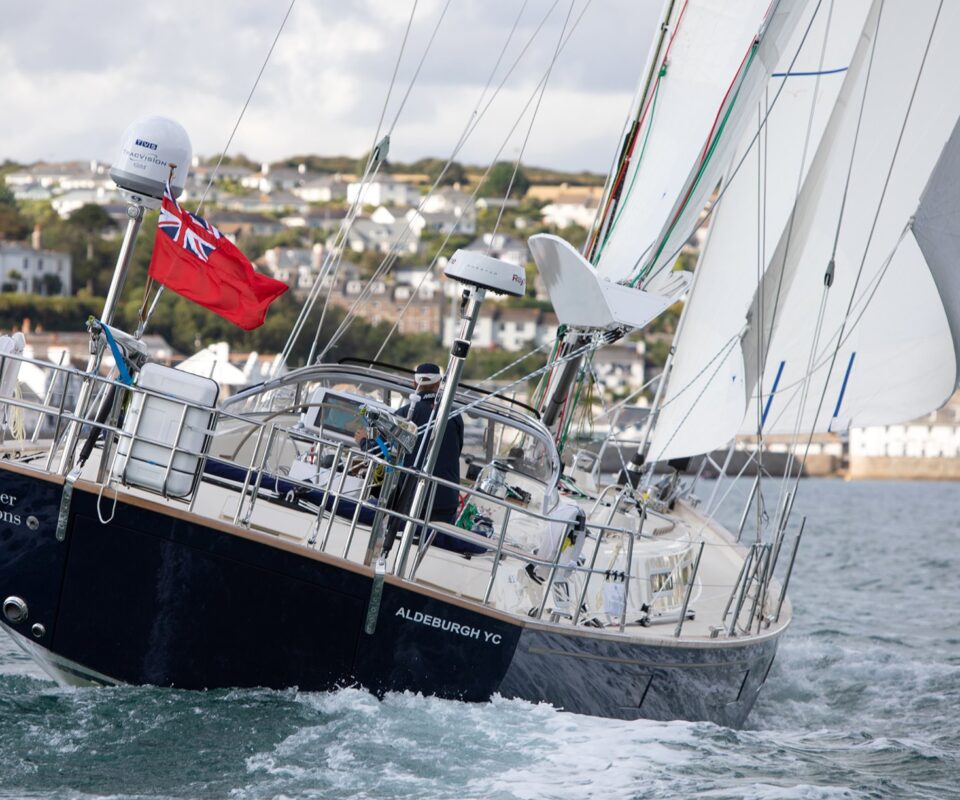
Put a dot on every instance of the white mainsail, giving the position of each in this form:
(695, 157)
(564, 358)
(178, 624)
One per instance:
(896, 359)
(705, 398)
(713, 63)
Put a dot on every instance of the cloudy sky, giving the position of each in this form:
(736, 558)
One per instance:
(75, 73)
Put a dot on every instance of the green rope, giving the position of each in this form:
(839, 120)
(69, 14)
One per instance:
(636, 171)
(581, 374)
(703, 167)
(542, 386)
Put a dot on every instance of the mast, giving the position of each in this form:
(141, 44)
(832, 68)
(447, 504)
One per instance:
(559, 389)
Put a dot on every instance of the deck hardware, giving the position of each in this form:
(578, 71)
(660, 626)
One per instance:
(63, 518)
(740, 589)
(37, 630)
(786, 578)
(15, 609)
(686, 596)
(376, 595)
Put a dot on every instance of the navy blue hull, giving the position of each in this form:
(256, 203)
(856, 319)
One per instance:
(164, 599)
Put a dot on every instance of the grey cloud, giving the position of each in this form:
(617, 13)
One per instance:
(108, 61)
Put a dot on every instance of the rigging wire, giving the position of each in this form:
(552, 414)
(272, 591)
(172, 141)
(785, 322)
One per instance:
(146, 314)
(376, 160)
(762, 144)
(332, 259)
(392, 256)
(736, 170)
(605, 209)
(416, 73)
(876, 216)
(789, 233)
(714, 136)
(246, 103)
(470, 119)
(533, 119)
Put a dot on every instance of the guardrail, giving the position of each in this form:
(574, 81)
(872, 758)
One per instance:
(267, 436)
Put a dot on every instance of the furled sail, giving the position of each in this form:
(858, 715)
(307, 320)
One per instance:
(716, 60)
(706, 396)
(875, 347)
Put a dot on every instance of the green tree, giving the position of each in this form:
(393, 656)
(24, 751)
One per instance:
(455, 173)
(13, 225)
(499, 180)
(51, 284)
(91, 217)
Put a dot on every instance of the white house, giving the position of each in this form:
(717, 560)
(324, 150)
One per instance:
(569, 210)
(442, 222)
(295, 266)
(502, 246)
(273, 179)
(620, 367)
(368, 234)
(28, 269)
(382, 191)
(936, 435)
(68, 202)
(484, 334)
(516, 328)
(65, 176)
(325, 189)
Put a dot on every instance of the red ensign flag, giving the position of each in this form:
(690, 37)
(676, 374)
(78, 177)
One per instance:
(196, 261)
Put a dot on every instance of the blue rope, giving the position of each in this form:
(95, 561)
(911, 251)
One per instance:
(809, 74)
(117, 355)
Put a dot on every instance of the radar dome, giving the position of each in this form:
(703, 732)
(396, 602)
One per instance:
(149, 147)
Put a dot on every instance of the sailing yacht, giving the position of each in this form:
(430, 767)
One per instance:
(160, 537)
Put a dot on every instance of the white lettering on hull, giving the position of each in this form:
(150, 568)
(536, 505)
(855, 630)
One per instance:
(449, 626)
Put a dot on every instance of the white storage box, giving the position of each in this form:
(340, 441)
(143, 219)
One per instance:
(147, 465)
(10, 346)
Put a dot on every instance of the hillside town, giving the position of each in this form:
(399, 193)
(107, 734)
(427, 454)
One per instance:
(288, 218)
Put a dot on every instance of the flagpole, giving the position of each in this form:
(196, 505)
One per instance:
(143, 315)
(134, 222)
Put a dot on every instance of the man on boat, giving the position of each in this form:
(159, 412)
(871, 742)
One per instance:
(446, 502)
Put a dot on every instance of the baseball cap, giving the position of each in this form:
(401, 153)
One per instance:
(426, 374)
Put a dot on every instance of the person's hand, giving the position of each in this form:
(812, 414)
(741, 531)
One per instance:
(359, 436)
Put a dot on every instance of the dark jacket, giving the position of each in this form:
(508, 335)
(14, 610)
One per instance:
(448, 460)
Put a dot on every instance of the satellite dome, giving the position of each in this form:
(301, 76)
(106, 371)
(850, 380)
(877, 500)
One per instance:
(147, 150)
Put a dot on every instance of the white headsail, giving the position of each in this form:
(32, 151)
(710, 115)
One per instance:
(706, 396)
(883, 352)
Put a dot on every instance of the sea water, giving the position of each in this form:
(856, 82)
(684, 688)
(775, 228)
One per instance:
(862, 702)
